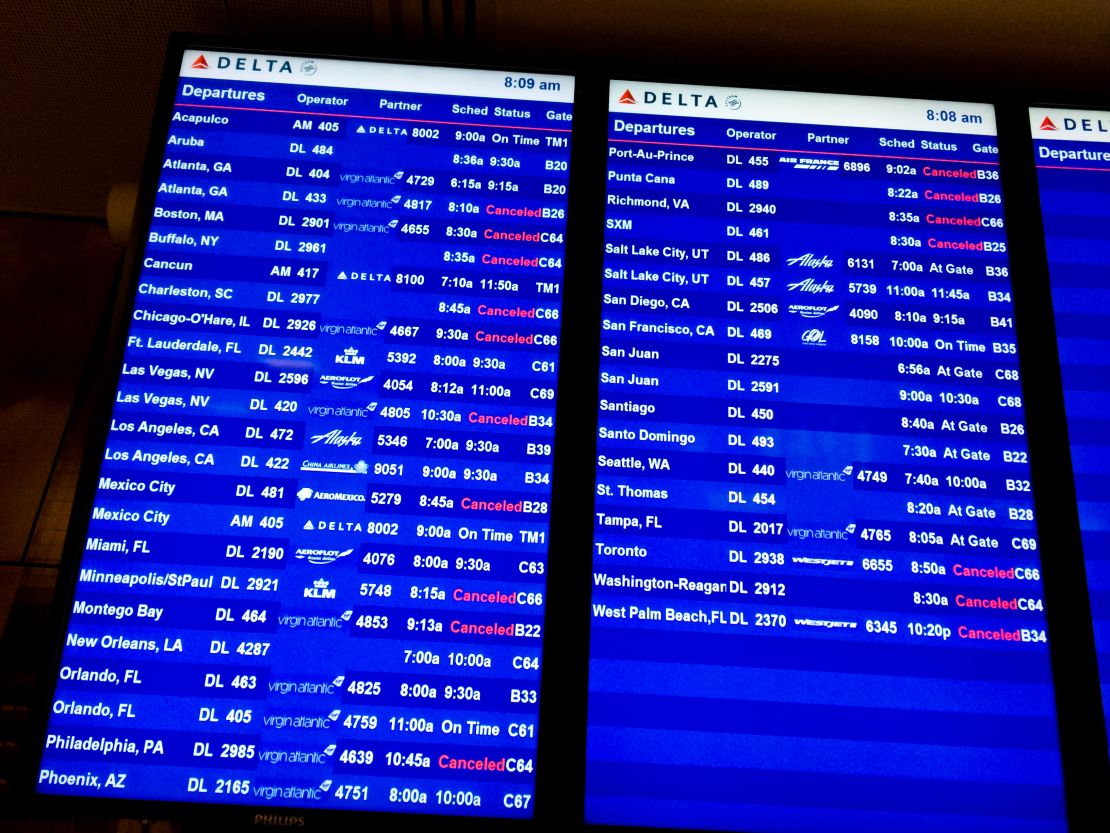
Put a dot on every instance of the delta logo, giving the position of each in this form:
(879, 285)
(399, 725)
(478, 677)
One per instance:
(1070, 125)
(668, 99)
(247, 64)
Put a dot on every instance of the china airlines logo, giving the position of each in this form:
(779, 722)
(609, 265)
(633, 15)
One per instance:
(627, 98)
(1048, 125)
(200, 63)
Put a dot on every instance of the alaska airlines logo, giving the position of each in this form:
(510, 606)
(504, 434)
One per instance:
(337, 437)
(683, 99)
(810, 285)
(810, 261)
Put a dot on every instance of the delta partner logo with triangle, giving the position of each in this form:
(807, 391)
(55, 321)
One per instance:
(200, 63)
(1048, 125)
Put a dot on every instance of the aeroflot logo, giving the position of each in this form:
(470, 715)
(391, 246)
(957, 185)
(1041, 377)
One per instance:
(1071, 125)
(248, 64)
(683, 99)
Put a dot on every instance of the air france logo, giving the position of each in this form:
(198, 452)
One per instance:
(200, 63)
(1048, 125)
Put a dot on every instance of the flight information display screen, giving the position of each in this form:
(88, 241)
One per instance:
(314, 570)
(1072, 149)
(817, 597)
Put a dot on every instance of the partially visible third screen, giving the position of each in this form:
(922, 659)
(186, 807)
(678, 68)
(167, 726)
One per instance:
(1072, 149)
(816, 580)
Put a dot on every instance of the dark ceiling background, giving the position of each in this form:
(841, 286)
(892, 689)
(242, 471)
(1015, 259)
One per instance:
(78, 79)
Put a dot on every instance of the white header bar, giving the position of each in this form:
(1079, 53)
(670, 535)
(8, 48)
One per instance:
(365, 75)
(1069, 125)
(740, 104)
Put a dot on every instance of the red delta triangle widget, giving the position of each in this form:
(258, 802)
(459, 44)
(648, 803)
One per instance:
(200, 63)
(1048, 125)
(627, 98)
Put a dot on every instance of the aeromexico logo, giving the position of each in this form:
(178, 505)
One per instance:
(1070, 125)
(247, 63)
(671, 99)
